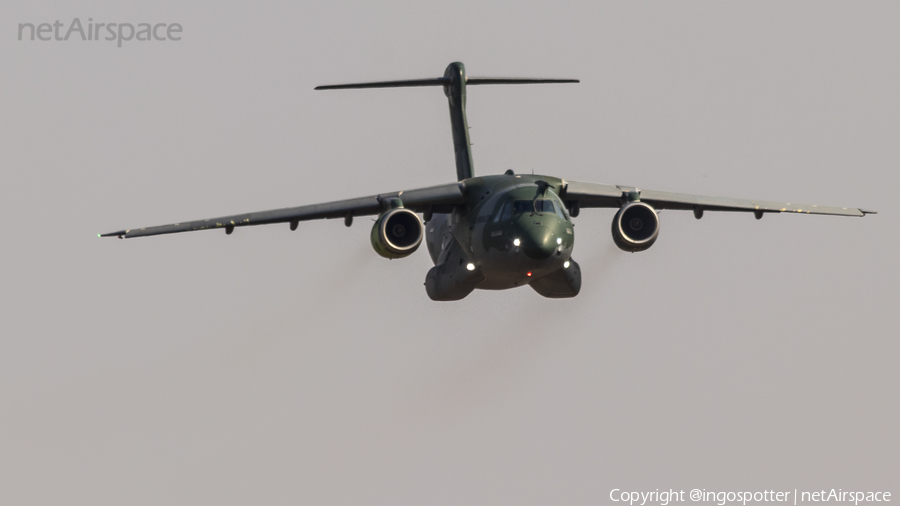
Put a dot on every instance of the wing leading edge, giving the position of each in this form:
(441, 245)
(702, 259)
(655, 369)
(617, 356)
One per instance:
(439, 198)
(602, 195)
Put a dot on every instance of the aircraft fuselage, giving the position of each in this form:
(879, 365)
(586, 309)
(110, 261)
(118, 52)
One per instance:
(513, 230)
(494, 232)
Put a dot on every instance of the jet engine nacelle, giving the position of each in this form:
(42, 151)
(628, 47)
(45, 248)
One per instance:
(635, 227)
(397, 233)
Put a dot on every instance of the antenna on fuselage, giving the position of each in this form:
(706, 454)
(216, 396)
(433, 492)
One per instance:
(454, 83)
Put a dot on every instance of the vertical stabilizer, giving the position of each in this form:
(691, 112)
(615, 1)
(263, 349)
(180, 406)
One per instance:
(454, 83)
(456, 96)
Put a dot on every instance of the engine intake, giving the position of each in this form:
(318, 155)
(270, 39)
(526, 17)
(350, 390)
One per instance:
(635, 227)
(397, 233)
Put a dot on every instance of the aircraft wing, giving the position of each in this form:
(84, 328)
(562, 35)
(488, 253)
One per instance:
(602, 195)
(439, 198)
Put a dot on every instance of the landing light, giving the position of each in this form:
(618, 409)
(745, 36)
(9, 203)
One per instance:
(559, 240)
(566, 265)
(516, 242)
(471, 267)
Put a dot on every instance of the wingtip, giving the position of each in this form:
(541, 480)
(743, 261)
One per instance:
(867, 211)
(120, 234)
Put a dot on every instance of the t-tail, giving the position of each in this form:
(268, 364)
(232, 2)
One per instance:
(454, 83)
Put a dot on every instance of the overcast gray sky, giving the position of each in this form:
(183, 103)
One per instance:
(271, 367)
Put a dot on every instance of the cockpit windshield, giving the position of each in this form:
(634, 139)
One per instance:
(523, 206)
(518, 207)
(544, 206)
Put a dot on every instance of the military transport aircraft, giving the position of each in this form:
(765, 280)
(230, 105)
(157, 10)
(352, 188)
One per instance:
(494, 232)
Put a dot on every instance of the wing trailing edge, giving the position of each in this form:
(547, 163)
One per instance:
(602, 195)
(441, 198)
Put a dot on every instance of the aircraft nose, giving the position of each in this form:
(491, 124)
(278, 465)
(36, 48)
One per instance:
(538, 243)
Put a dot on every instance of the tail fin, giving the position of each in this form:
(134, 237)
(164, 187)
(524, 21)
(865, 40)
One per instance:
(454, 83)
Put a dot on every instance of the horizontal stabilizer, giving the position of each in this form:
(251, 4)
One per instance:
(444, 81)
(516, 80)
(453, 82)
(440, 81)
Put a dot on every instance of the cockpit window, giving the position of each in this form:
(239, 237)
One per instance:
(523, 206)
(511, 209)
(544, 206)
(505, 212)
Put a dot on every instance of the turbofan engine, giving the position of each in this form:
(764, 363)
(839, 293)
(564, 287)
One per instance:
(635, 227)
(397, 233)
